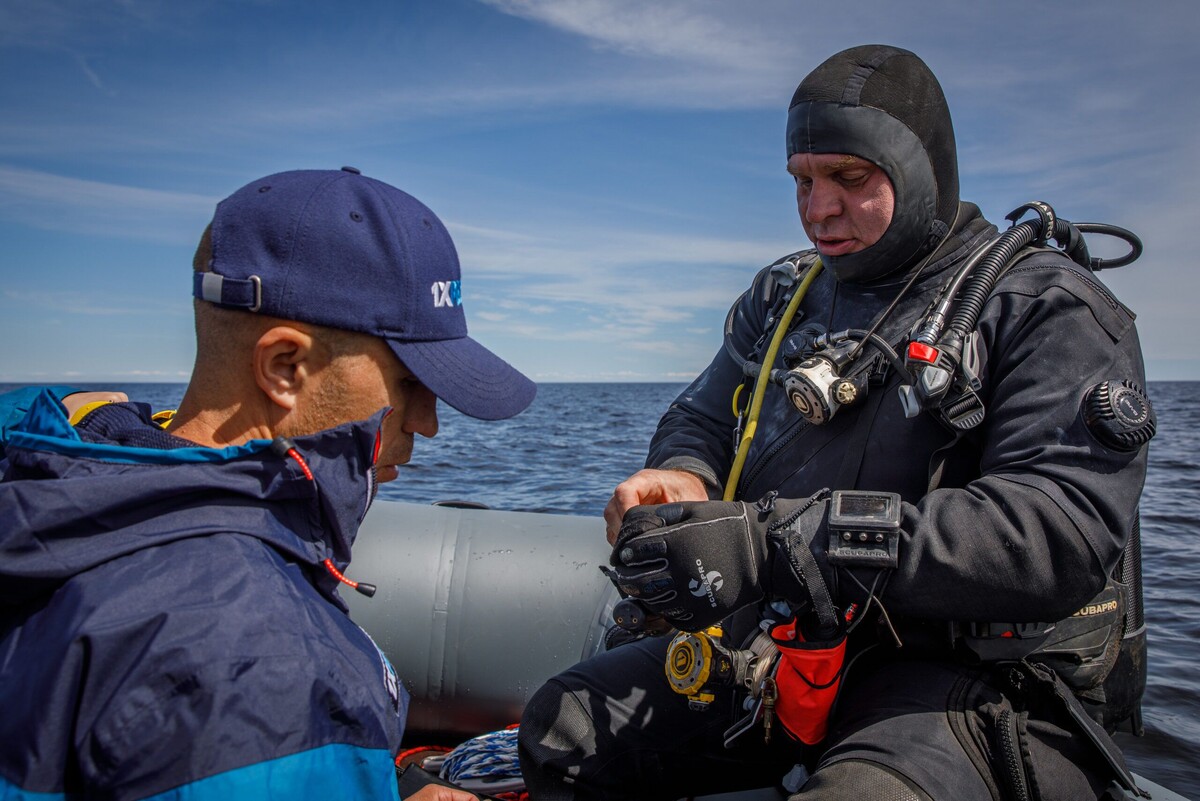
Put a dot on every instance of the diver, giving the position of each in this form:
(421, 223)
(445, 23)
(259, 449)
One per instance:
(888, 520)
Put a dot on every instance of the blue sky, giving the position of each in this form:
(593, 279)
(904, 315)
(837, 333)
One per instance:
(612, 172)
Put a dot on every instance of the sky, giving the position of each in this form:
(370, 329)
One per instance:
(612, 171)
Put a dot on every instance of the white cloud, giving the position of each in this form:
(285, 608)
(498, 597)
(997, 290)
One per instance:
(58, 202)
(1098, 123)
(684, 31)
(629, 287)
(94, 304)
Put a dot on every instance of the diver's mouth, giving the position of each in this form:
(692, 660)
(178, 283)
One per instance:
(832, 246)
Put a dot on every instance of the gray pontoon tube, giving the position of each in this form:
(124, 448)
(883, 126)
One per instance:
(477, 608)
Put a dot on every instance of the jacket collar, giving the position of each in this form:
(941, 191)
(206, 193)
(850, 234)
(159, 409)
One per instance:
(106, 500)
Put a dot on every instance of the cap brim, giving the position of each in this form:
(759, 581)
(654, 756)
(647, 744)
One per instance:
(468, 376)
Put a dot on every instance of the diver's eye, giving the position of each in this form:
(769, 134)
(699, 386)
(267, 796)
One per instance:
(854, 178)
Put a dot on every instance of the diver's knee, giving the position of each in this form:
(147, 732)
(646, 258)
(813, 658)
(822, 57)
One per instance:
(553, 725)
(554, 740)
(858, 779)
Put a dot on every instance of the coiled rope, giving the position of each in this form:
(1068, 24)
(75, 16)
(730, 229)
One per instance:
(487, 763)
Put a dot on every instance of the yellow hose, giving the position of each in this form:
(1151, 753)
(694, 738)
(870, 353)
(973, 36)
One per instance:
(760, 385)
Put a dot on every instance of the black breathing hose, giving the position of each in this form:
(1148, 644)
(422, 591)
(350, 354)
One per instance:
(880, 344)
(979, 285)
(1130, 238)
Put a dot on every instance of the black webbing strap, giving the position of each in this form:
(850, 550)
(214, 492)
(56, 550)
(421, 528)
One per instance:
(801, 558)
(1052, 685)
(854, 450)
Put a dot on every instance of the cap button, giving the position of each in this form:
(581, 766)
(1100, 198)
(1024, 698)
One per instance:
(354, 170)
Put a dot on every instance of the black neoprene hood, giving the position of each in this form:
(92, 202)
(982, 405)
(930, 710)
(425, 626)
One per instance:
(883, 104)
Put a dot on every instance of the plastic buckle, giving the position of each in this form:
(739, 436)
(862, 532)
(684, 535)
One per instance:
(1003, 642)
(964, 411)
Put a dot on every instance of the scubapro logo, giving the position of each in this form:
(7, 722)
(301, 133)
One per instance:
(446, 294)
(709, 583)
(1096, 609)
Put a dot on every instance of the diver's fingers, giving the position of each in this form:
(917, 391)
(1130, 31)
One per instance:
(613, 513)
(649, 487)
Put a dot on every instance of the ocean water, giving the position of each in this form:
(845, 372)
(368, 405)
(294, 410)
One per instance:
(566, 453)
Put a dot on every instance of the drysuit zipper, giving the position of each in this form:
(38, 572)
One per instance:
(1010, 752)
(772, 451)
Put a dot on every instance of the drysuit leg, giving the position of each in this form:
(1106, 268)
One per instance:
(857, 780)
(612, 728)
(937, 730)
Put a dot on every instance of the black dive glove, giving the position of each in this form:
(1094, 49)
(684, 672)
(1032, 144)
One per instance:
(696, 563)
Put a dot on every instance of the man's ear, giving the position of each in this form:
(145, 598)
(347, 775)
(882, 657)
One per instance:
(285, 358)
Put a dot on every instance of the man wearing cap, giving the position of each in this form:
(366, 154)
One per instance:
(172, 623)
(952, 682)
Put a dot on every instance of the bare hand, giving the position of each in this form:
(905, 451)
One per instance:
(650, 487)
(433, 792)
(77, 400)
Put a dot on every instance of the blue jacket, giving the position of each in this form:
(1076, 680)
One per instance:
(167, 628)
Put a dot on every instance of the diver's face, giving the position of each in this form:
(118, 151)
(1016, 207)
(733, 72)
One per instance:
(846, 202)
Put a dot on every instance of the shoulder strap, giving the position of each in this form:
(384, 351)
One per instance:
(854, 450)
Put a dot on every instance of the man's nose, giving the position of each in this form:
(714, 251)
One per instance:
(822, 203)
(420, 413)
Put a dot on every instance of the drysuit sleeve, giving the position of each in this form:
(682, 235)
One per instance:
(696, 433)
(1033, 533)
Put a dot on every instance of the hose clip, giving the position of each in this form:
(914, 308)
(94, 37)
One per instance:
(1044, 211)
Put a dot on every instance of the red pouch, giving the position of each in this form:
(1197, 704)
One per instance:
(807, 679)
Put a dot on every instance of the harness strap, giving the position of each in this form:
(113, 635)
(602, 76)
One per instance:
(855, 448)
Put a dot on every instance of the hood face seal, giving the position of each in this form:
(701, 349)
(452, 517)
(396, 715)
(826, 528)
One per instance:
(883, 104)
(878, 137)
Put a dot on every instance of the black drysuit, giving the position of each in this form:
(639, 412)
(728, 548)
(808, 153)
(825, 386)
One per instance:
(1028, 520)
(1020, 520)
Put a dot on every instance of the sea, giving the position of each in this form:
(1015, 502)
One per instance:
(565, 454)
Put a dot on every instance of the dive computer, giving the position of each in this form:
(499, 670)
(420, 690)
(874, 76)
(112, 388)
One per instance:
(864, 528)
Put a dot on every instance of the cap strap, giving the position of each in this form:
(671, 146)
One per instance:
(245, 293)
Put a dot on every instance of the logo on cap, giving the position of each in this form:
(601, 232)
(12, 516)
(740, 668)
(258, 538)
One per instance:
(446, 294)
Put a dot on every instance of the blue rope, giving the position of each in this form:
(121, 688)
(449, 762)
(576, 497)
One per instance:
(488, 758)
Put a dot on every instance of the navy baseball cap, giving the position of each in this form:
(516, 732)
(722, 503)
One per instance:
(338, 249)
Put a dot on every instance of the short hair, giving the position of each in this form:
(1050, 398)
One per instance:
(224, 336)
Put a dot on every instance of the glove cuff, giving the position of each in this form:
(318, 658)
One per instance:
(796, 574)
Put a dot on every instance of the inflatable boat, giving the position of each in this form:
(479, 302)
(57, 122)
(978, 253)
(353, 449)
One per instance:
(476, 608)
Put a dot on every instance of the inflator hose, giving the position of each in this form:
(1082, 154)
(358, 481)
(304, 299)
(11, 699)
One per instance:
(764, 378)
